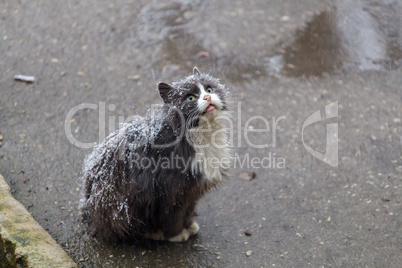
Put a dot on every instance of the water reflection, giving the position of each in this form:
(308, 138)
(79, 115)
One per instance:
(317, 48)
(344, 38)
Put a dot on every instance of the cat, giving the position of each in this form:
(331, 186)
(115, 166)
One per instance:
(144, 180)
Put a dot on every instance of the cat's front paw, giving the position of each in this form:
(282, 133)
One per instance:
(194, 228)
(182, 237)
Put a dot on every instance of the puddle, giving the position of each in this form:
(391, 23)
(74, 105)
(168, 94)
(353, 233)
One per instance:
(161, 21)
(180, 48)
(344, 38)
(317, 48)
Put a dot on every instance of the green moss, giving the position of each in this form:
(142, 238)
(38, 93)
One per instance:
(8, 257)
(23, 241)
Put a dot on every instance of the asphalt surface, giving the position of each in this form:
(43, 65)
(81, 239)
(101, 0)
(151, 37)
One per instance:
(280, 59)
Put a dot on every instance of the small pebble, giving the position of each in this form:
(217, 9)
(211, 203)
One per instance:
(248, 176)
(285, 18)
(248, 233)
(248, 253)
(24, 78)
(134, 77)
(1, 137)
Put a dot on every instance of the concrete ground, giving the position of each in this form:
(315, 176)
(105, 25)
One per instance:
(280, 59)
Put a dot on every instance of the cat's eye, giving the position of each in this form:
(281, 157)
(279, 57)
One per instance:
(190, 97)
(209, 90)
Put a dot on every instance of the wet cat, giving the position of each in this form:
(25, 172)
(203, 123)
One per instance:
(145, 179)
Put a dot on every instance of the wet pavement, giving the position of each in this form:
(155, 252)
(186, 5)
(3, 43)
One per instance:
(281, 60)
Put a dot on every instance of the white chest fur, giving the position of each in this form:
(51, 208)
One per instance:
(211, 144)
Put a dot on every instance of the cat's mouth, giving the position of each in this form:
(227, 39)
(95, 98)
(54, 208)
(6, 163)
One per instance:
(210, 108)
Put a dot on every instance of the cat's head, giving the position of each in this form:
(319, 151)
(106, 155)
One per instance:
(196, 95)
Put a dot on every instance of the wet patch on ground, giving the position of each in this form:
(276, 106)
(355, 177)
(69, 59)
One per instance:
(179, 47)
(344, 38)
(316, 50)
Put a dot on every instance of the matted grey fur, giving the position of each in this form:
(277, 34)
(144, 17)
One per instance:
(145, 179)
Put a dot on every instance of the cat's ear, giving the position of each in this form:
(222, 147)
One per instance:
(166, 92)
(196, 71)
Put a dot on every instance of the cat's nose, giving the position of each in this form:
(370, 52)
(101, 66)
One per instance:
(207, 98)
